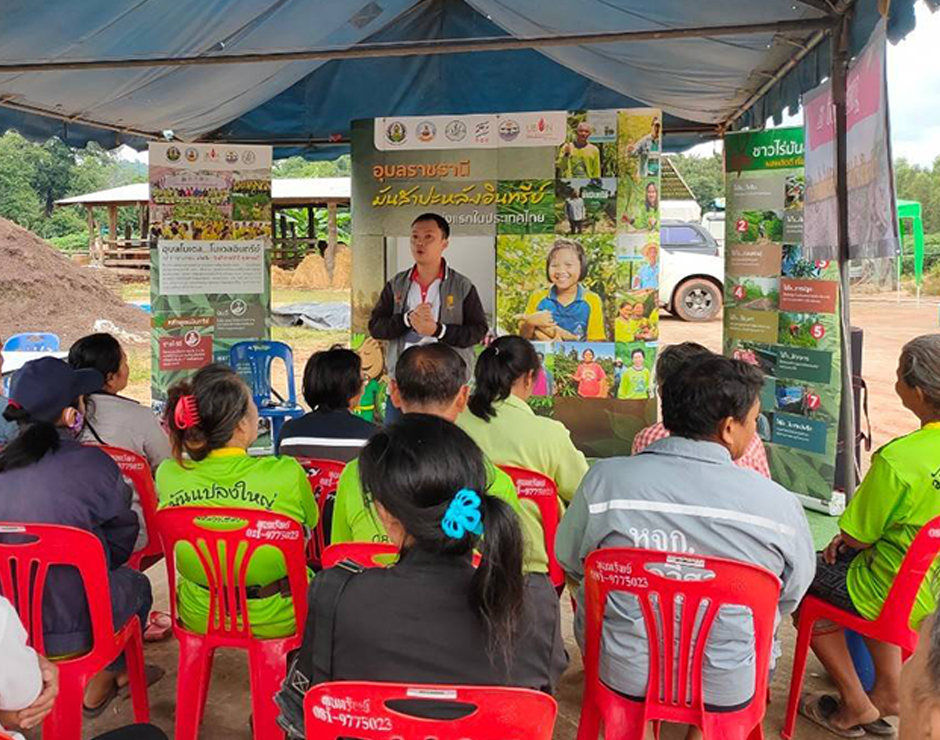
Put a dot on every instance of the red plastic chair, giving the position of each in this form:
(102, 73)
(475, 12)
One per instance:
(363, 553)
(324, 478)
(27, 552)
(892, 625)
(225, 555)
(678, 694)
(137, 470)
(541, 489)
(360, 709)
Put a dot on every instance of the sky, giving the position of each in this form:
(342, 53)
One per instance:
(913, 94)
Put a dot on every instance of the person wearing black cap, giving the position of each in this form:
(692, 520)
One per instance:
(47, 476)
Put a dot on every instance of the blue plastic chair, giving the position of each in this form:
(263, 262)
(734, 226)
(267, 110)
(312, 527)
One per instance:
(253, 361)
(36, 342)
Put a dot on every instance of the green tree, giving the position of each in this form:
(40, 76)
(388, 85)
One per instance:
(300, 167)
(704, 175)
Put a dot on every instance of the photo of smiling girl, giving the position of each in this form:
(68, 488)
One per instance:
(566, 311)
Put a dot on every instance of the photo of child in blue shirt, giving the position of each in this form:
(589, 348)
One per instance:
(566, 311)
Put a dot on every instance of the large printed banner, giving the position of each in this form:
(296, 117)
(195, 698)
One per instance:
(782, 310)
(873, 225)
(555, 218)
(210, 228)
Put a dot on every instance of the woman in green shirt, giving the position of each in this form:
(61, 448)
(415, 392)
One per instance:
(504, 426)
(898, 496)
(212, 421)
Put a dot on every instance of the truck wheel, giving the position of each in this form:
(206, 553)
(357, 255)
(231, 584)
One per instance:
(697, 299)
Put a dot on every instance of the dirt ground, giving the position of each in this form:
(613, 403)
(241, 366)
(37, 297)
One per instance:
(887, 325)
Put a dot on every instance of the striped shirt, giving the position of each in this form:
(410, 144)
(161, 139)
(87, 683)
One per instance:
(754, 457)
(326, 435)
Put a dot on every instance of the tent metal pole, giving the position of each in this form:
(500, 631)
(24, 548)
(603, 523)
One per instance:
(802, 26)
(840, 46)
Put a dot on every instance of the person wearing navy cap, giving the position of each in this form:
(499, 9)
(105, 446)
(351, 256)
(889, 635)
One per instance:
(47, 476)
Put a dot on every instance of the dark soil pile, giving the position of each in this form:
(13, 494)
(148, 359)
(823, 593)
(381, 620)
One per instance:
(40, 290)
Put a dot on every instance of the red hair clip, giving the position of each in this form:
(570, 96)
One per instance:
(186, 414)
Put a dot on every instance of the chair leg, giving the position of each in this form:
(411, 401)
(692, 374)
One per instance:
(65, 720)
(268, 669)
(134, 654)
(803, 637)
(589, 725)
(192, 686)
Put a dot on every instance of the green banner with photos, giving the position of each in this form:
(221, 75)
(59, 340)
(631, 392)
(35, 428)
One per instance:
(782, 311)
(210, 233)
(554, 217)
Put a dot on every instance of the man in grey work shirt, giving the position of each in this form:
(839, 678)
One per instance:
(683, 494)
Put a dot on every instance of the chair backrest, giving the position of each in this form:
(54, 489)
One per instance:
(361, 709)
(364, 553)
(253, 360)
(32, 342)
(28, 551)
(136, 469)
(324, 479)
(225, 540)
(540, 489)
(914, 568)
(668, 603)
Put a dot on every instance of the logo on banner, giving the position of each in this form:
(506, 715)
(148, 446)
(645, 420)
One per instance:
(396, 133)
(212, 155)
(539, 130)
(192, 154)
(192, 338)
(238, 307)
(231, 157)
(508, 129)
(248, 157)
(456, 130)
(481, 132)
(426, 131)
(173, 154)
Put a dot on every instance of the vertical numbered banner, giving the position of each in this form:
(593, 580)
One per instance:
(782, 309)
(210, 278)
(555, 218)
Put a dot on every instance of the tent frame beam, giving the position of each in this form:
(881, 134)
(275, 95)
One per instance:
(431, 47)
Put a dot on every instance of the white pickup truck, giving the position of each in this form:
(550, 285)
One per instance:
(692, 271)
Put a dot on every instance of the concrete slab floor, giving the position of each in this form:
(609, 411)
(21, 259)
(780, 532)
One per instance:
(229, 700)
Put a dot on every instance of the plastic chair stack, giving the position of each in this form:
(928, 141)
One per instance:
(253, 362)
(361, 709)
(137, 470)
(27, 552)
(892, 625)
(540, 489)
(324, 478)
(32, 342)
(674, 686)
(225, 540)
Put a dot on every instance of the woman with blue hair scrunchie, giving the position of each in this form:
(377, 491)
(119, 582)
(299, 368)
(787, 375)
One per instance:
(432, 617)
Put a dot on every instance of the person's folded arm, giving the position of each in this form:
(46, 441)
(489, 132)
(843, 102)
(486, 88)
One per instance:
(384, 323)
(473, 328)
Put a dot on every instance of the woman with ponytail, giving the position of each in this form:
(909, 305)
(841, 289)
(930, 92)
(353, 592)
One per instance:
(212, 422)
(431, 617)
(504, 426)
(47, 476)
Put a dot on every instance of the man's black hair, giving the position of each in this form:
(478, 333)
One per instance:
(332, 378)
(430, 373)
(675, 356)
(700, 395)
(640, 350)
(436, 218)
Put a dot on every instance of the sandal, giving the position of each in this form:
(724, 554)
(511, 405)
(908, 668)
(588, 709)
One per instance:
(97, 711)
(819, 709)
(880, 728)
(152, 674)
(159, 627)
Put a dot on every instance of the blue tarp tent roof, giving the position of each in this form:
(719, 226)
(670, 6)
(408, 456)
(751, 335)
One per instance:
(301, 106)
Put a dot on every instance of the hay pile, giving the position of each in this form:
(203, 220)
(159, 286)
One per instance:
(312, 274)
(342, 269)
(40, 290)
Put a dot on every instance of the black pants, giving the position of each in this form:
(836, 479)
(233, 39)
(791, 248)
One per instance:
(134, 732)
